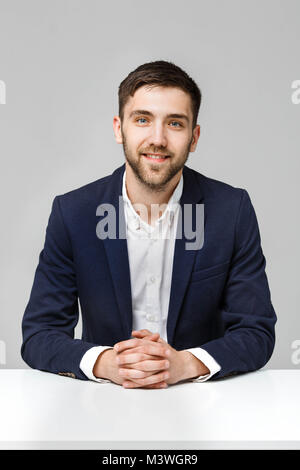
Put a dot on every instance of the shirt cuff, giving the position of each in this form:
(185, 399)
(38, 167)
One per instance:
(88, 361)
(208, 361)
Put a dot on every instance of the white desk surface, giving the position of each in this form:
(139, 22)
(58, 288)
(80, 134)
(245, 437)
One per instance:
(258, 410)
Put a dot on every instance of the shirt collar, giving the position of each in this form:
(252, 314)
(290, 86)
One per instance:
(174, 199)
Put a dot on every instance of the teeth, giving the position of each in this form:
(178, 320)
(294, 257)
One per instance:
(156, 156)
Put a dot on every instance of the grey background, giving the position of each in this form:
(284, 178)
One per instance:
(62, 62)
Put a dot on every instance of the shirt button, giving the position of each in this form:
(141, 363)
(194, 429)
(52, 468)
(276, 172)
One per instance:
(152, 279)
(152, 318)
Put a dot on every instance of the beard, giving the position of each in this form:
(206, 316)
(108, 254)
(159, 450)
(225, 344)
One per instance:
(153, 175)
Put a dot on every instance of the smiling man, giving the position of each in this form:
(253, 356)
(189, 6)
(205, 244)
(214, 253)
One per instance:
(154, 313)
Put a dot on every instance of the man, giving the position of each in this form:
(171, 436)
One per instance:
(154, 311)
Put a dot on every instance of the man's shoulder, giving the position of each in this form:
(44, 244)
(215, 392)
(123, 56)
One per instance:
(212, 188)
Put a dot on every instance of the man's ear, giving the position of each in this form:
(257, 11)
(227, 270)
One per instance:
(196, 135)
(117, 129)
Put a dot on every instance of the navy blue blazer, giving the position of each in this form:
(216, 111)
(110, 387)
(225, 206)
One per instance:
(219, 301)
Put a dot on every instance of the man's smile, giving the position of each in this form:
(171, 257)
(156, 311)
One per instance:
(156, 157)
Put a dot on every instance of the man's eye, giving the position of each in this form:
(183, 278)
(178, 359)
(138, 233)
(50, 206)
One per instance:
(139, 119)
(178, 124)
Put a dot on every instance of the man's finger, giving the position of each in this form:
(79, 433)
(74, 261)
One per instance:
(139, 349)
(151, 337)
(148, 347)
(137, 357)
(155, 349)
(125, 358)
(133, 374)
(146, 334)
(143, 332)
(129, 343)
(151, 379)
(146, 365)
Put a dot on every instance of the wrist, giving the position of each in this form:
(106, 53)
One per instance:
(193, 367)
(100, 369)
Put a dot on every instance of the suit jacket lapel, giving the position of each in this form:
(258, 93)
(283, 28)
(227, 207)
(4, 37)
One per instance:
(117, 253)
(183, 259)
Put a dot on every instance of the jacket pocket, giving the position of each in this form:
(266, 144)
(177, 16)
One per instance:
(210, 272)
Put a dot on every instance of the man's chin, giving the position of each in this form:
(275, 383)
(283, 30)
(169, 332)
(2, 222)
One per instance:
(155, 181)
(152, 175)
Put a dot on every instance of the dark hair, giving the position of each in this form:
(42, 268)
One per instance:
(159, 73)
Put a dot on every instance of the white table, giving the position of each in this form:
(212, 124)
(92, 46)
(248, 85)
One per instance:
(258, 410)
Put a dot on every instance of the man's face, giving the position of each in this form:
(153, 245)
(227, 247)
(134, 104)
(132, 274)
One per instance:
(157, 121)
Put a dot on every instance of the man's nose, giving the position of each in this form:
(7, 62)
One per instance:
(158, 136)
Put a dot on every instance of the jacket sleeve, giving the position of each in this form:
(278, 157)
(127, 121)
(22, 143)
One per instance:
(247, 312)
(52, 311)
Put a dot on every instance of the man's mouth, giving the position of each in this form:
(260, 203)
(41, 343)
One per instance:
(155, 157)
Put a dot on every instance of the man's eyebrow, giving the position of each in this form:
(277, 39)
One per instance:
(148, 113)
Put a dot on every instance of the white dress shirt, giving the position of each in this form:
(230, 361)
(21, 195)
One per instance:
(150, 253)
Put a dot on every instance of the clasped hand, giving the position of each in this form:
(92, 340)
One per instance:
(147, 361)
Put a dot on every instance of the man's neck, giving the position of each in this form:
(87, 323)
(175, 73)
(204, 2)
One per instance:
(138, 193)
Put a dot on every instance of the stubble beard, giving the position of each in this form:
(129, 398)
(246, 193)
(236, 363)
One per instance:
(143, 176)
